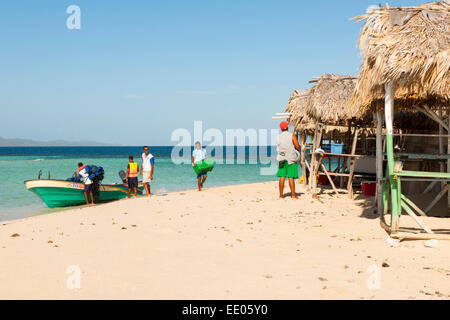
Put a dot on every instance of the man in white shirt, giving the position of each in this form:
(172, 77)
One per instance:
(83, 173)
(199, 155)
(148, 164)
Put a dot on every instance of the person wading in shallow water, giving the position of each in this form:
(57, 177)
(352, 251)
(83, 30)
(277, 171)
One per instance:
(288, 157)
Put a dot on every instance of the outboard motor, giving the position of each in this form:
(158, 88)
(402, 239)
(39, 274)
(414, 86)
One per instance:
(123, 176)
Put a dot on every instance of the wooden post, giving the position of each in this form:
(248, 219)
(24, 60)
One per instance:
(379, 162)
(303, 159)
(314, 162)
(352, 165)
(313, 158)
(441, 144)
(394, 184)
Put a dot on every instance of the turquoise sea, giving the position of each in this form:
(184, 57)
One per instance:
(18, 164)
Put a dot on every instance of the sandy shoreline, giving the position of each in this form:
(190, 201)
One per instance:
(235, 242)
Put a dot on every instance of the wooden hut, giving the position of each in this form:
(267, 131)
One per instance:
(329, 104)
(406, 66)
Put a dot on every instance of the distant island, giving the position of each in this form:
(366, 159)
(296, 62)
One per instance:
(54, 143)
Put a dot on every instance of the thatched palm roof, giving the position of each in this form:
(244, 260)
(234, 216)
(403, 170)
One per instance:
(297, 107)
(409, 46)
(329, 100)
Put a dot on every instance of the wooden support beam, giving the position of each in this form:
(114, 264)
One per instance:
(314, 159)
(311, 171)
(430, 187)
(352, 165)
(414, 206)
(329, 179)
(379, 162)
(425, 110)
(396, 209)
(415, 218)
(419, 236)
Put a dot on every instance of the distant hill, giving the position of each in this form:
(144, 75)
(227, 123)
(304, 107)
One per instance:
(55, 143)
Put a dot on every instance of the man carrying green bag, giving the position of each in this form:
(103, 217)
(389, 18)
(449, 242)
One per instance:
(200, 164)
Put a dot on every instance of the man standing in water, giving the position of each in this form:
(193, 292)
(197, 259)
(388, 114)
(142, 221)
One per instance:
(148, 164)
(288, 157)
(83, 173)
(199, 155)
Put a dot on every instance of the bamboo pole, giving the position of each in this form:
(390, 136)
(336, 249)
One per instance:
(379, 162)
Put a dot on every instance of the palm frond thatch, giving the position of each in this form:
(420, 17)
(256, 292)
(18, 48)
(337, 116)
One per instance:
(297, 107)
(329, 100)
(408, 46)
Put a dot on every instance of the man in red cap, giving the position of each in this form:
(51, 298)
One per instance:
(288, 158)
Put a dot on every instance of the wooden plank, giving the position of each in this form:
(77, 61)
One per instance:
(341, 155)
(407, 173)
(420, 236)
(422, 156)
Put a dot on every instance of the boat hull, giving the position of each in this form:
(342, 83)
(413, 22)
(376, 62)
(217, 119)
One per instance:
(59, 193)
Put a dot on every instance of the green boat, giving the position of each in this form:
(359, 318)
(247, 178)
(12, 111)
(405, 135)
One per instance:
(62, 193)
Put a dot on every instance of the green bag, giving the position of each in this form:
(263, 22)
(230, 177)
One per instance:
(204, 166)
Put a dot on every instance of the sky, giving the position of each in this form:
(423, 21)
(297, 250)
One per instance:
(138, 70)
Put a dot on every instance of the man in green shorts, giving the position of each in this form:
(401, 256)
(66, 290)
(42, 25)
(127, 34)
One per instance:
(288, 157)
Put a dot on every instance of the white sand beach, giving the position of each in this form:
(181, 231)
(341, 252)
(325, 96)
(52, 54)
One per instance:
(235, 242)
